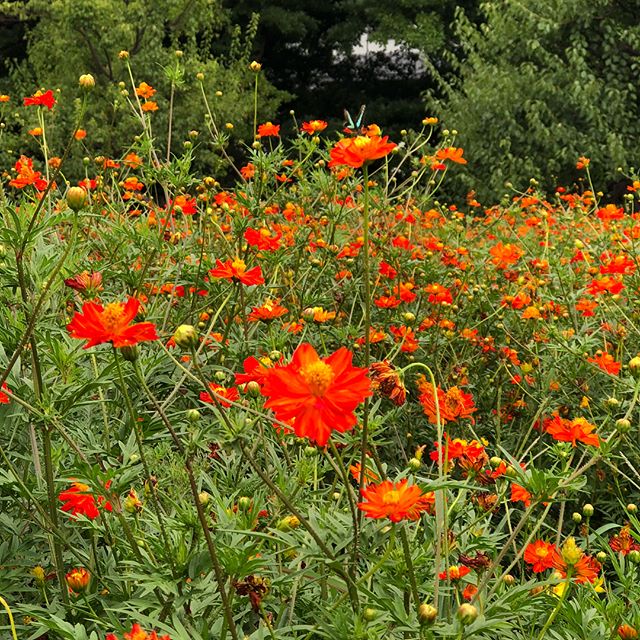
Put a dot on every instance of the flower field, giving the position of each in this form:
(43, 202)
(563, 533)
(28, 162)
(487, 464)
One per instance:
(308, 398)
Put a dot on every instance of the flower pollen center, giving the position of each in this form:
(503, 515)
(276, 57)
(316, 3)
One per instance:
(391, 497)
(113, 317)
(319, 376)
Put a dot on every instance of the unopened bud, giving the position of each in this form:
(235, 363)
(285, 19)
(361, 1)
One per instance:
(87, 81)
(587, 510)
(76, 198)
(255, 66)
(427, 613)
(186, 336)
(467, 613)
(634, 366)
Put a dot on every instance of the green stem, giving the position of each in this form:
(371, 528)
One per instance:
(5, 604)
(561, 600)
(410, 570)
(152, 488)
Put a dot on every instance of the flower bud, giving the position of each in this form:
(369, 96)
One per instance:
(193, 415)
(577, 517)
(369, 614)
(38, 574)
(623, 425)
(601, 557)
(587, 510)
(571, 553)
(634, 556)
(76, 198)
(311, 452)
(129, 352)
(467, 613)
(78, 580)
(275, 355)
(632, 508)
(509, 580)
(123, 55)
(87, 81)
(204, 498)
(186, 336)
(287, 523)
(255, 66)
(244, 503)
(414, 464)
(634, 367)
(427, 613)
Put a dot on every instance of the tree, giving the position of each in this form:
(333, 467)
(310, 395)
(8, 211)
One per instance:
(66, 38)
(541, 84)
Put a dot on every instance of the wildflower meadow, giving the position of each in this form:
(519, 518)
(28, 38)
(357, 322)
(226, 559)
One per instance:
(305, 396)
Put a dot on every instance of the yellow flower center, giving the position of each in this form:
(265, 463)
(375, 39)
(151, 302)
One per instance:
(319, 376)
(112, 317)
(239, 265)
(361, 141)
(391, 497)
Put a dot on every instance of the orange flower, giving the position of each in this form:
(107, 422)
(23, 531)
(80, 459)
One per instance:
(98, 324)
(354, 152)
(573, 431)
(314, 126)
(80, 134)
(454, 404)
(143, 90)
(369, 474)
(606, 362)
(248, 171)
(316, 396)
(387, 382)
(40, 99)
(396, 501)
(27, 176)
(541, 555)
(78, 500)
(268, 129)
(266, 312)
(222, 395)
(586, 569)
(78, 580)
(237, 270)
(149, 106)
(451, 153)
(454, 572)
(623, 542)
(263, 239)
(138, 633)
(504, 255)
(520, 494)
(132, 160)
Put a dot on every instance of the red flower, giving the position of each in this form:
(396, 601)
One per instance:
(520, 494)
(314, 126)
(263, 239)
(623, 542)
(573, 431)
(222, 395)
(454, 404)
(45, 99)
(237, 270)
(354, 152)
(268, 129)
(606, 362)
(138, 633)
(98, 324)
(396, 501)
(453, 154)
(4, 398)
(254, 371)
(541, 555)
(454, 573)
(78, 500)
(316, 396)
(27, 176)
